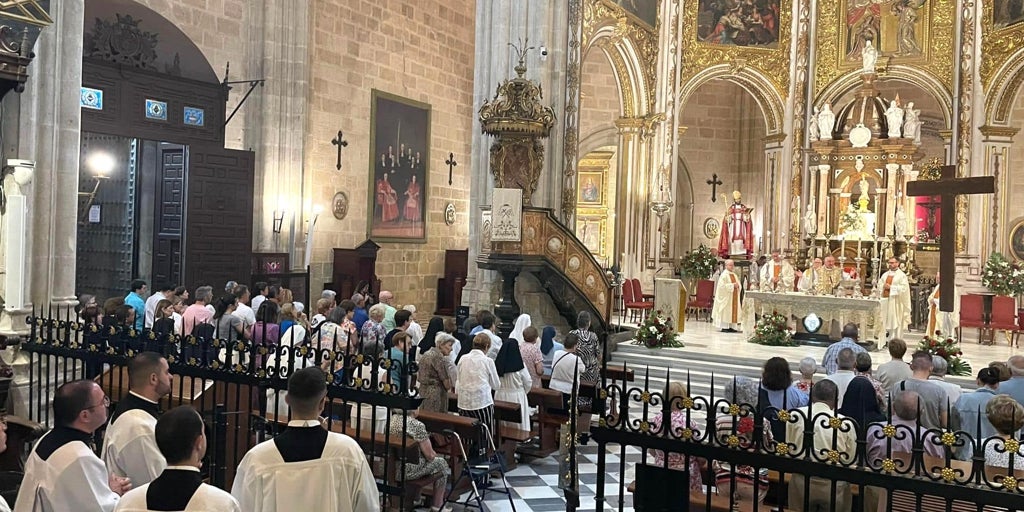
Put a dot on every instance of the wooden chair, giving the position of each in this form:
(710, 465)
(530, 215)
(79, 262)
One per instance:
(1004, 317)
(627, 299)
(703, 300)
(972, 314)
(640, 302)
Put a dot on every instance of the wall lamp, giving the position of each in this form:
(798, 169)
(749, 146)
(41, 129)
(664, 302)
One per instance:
(101, 164)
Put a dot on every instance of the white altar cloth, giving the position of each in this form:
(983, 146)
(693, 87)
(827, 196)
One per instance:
(865, 312)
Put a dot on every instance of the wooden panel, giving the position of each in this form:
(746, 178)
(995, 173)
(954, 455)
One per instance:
(168, 218)
(125, 91)
(218, 216)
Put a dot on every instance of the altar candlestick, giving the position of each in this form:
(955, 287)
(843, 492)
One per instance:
(842, 246)
(858, 246)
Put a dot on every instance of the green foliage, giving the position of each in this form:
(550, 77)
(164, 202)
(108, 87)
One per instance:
(656, 332)
(948, 349)
(773, 330)
(699, 263)
(1002, 276)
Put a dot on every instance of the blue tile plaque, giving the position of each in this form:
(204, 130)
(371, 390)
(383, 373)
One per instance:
(156, 110)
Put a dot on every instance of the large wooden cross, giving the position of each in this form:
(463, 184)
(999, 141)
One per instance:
(948, 187)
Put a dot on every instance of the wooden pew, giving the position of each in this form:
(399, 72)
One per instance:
(548, 423)
(508, 438)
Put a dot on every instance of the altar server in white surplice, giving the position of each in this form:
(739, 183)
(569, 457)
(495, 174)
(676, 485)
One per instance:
(62, 473)
(182, 441)
(894, 290)
(945, 323)
(777, 275)
(306, 468)
(726, 312)
(129, 447)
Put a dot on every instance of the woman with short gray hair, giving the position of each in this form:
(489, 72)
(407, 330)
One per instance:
(437, 374)
(373, 331)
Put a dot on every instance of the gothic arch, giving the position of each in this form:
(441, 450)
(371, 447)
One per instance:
(1003, 91)
(634, 96)
(751, 81)
(922, 79)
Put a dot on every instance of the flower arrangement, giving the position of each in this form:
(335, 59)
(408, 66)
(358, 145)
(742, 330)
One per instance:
(773, 330)
(656, 332)
(851, 221)
(1002, 276)
(699, 263)
(948, 349)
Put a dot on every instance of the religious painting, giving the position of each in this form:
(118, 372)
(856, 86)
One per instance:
(1017, 240)
(895, 27)
(752, 23)
(399, 167)
(644, 11)
(590, 188)
(591, 230)
(1007, 13)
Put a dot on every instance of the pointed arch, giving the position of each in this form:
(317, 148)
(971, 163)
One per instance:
(622, 52)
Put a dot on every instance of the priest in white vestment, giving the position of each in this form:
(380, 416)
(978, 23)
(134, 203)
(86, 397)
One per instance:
(725, 314)
(945, 323)
(777, 275)
(306, 468)
(811, 277)
(62, 473)
(182, 441)
(129, 447)
(894, 290)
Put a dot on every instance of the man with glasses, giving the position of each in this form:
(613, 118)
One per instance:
(62, 472)
(129, 445)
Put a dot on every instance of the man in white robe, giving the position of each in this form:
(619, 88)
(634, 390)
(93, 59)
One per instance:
(129, 447)
(726, 312)
(945, 323)
(62, 473)
(777, 275)
(182, 441)
(894, 290)
(811, 277)
(306, 468)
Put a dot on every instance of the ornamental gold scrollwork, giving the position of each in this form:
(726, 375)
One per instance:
(597, 15)
(998, 44)
(936, 25)
(966, 80)
(773, 63)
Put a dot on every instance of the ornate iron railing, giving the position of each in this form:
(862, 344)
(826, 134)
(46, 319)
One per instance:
(834, 450)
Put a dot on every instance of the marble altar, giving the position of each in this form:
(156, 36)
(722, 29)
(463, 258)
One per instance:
(865, 312)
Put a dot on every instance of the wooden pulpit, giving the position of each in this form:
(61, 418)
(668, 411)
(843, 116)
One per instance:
(670, 298)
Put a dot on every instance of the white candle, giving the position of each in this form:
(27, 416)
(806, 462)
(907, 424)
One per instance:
(858, 247)
(842, 246)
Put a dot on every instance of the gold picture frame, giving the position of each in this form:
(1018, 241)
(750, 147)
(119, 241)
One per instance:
(591, 190)
(592, 230)
(1015, 242)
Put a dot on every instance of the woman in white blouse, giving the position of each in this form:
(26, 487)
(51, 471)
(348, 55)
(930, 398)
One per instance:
(477, 378)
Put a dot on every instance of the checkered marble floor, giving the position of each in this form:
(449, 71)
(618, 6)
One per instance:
(534, 483)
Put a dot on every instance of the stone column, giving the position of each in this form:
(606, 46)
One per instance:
(276, 125)
(822, 199)
(775, 214)
(997, 142)
(634, 212)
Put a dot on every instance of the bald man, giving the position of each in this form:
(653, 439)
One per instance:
(726, 312)
(777, 275)
(894, 288)
(811, 277)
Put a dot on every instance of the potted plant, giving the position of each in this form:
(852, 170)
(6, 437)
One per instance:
(948, 349)
(656, 332)
(696, 265)
(1004, 277)
(772, 330)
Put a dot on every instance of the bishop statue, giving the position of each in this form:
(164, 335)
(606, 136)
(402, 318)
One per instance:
(737, 238)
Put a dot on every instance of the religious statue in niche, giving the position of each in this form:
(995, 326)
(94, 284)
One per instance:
(739, 22)
(810, 219)
(737, 238)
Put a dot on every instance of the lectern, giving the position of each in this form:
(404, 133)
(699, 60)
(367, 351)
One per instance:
(670, 298)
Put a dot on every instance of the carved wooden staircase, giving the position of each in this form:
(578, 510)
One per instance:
(551, 251)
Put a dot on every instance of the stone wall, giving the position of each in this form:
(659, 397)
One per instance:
(418, 50)
(599, 98)
(724, 135)
(1012, 188)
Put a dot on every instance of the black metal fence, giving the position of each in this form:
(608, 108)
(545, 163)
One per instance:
(238, 386)
(820, 462)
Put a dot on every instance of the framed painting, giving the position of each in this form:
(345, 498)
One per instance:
(1007, 13)
(1017, 240)
(591, 230)
(591, 189)
(644, 11)
(739, 23)
(399, 168)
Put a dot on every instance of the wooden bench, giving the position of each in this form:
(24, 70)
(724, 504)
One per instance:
(548, 423)
(508, 438)
(468, 430)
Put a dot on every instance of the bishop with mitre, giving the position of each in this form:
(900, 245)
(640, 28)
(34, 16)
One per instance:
(726, 312)
(777, 275)
(737, 230)
(941, 323)
(895, 293)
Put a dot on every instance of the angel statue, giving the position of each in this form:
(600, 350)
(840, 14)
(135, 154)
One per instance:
(901, 222)
(813, 133)
(912, 123)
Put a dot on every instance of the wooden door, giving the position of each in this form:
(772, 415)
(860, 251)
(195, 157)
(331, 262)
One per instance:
(218, 216)
(170, 203)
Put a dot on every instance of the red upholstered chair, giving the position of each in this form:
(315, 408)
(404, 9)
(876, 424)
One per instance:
(627, 297)
(703, 300)
(1004, 312)
(972, 308)
(642, 306)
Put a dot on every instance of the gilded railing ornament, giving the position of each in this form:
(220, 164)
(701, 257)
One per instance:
(518, 120)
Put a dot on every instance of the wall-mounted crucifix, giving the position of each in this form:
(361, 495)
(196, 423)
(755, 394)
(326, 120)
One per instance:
(948, 187)
(451, 165)
(340, 143)
(714, 182)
